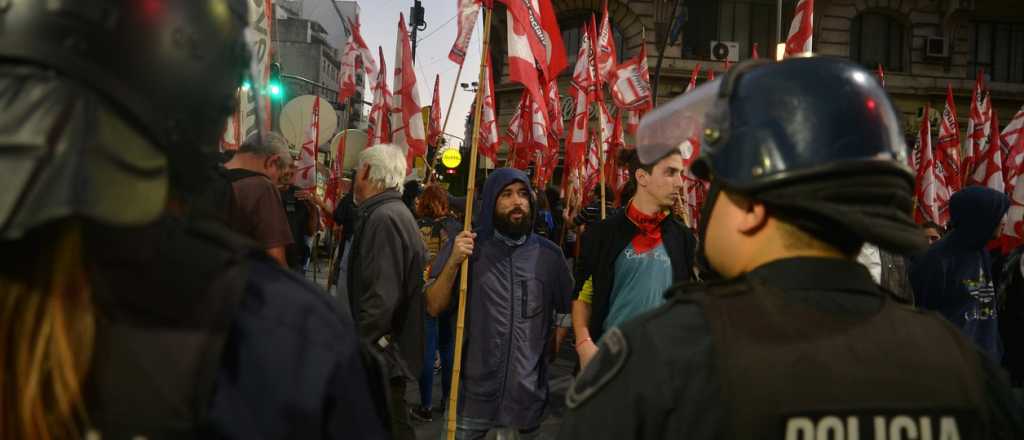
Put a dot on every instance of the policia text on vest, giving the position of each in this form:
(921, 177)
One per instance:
(866, 426)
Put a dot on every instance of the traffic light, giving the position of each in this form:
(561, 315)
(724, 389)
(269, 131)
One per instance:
(275, 88)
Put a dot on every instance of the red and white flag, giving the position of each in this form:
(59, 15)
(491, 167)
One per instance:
(406, 119)
(1008, 139)
(356, 55)
(469, 10)
(581, 88)
(930, 190)
(988, 170)
(800, 31)
(305, 173)
(434, 133)
(378, 123)
(630, 85)
(518, 135)
(633, 115)
(693, 79)
(488, 132)
(538, 136)
(977, 126)
(605, 49)
(534, 41)
(556, 126)
(947, 153)
(1013, 229)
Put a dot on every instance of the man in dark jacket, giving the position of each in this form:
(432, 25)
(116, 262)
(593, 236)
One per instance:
(806, 161)
(517, 279)
(630, 258)
(179, 328)
(385, 274)
(955, 276)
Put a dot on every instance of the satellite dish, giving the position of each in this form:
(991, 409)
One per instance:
(297, 114)
(355, 141)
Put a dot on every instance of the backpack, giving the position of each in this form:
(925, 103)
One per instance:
(217, 201)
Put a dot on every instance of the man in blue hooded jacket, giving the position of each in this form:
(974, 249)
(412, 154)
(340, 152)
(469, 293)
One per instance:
(955, 276)
(517, 279)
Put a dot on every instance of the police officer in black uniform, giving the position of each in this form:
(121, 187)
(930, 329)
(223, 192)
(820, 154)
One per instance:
(795, 341)
(123, 317)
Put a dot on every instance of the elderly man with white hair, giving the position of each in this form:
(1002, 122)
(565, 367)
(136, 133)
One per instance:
(385, 274)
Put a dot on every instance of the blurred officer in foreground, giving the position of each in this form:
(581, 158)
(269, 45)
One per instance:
(797, 341)
(118, 319)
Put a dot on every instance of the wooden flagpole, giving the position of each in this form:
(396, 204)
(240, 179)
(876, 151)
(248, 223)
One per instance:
(467, 226)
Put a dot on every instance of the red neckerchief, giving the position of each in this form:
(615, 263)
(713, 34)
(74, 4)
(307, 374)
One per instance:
(648, 235)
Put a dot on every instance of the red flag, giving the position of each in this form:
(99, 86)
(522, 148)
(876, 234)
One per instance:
(378, 123)
(711, 75)
(800, 31)
(534, 23)
(928, 187)
(693, 79)
(306, 168)
(488, 132)
(881, 75)
(1013, 229)
(605, 49)
(434, 135)
(977, 124)
(518, 134)
(947, 153)
(468, 13)
(580, 88)
(406, 119)
(753, 53)
(556, 126)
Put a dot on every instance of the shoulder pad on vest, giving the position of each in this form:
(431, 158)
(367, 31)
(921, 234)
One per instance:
(691, 290)
(606, 364)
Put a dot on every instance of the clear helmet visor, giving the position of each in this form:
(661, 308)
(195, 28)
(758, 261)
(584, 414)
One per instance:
(678, 124)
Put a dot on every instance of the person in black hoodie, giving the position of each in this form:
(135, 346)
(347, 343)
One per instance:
(955, 277)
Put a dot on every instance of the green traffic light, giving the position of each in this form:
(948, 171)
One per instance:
(275, 90)
(246, 85)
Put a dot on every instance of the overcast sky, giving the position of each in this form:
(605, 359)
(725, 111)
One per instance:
(379, 20)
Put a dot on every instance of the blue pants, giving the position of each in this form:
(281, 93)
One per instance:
(439, 338)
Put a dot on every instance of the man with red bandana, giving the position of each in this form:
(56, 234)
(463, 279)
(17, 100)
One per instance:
(630, 258)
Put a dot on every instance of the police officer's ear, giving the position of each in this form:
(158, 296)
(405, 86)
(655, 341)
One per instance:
(750, 216)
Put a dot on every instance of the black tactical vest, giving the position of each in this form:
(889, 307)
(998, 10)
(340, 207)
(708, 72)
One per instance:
(792, 371)
(165, 296)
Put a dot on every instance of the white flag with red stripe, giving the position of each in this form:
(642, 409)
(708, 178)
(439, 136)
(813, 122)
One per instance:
(378, 124)
(800, 31)
(305, 173)
(406, 119)
(468, 12)
(929, 189)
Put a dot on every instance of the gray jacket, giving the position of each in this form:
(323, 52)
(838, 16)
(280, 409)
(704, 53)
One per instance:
(385, 281)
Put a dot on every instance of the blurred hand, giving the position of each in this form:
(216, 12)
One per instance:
(463, 246)
(586, 351)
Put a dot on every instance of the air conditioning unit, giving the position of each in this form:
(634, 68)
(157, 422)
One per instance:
(725, 51)
(936, 47)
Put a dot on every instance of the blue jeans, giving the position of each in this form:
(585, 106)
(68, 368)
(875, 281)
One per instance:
(439, 338)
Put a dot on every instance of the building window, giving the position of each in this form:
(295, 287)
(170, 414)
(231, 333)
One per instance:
(878, 39)
(571, 34)
(743, 21)
(996, 48)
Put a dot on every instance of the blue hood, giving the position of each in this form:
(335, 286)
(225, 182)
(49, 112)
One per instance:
(496, 182)
(974, 214)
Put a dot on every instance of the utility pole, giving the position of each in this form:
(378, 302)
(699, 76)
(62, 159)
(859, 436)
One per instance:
(416, 21)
